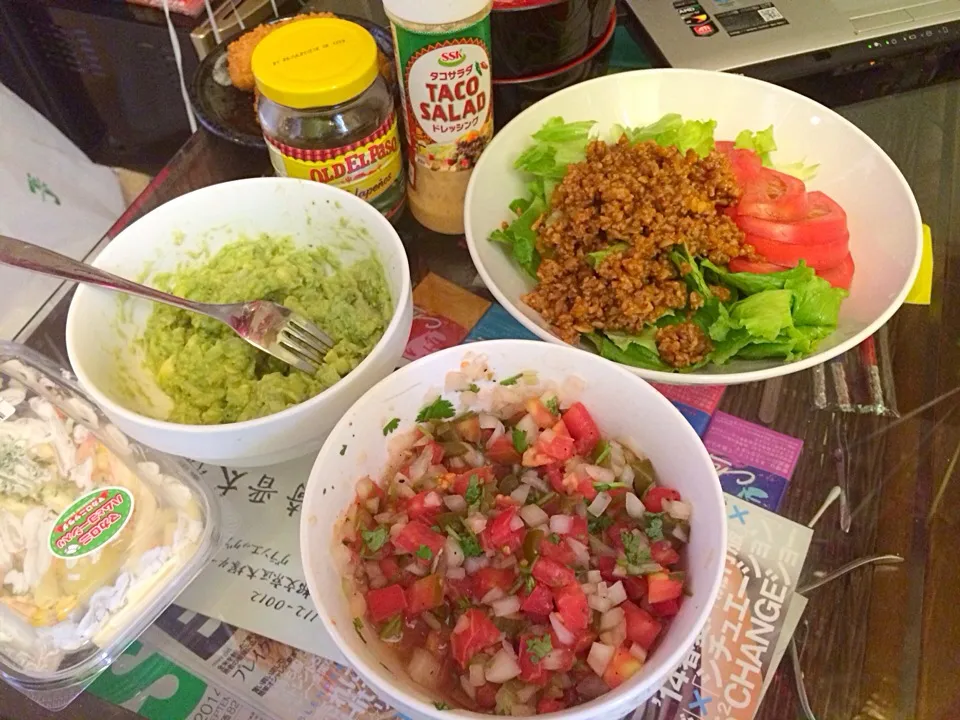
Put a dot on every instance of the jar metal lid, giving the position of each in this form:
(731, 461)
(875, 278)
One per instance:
(434, 12)
(315, 62)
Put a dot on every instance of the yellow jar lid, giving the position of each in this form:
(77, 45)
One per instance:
(315, 62)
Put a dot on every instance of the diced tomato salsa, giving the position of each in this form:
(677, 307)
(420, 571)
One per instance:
(494, 564)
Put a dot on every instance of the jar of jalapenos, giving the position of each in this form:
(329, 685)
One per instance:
(326, 112)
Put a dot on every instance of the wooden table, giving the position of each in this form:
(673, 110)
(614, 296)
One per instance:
(879, 643)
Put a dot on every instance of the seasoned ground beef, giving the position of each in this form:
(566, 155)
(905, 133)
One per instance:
(682, 344)
(640, 200)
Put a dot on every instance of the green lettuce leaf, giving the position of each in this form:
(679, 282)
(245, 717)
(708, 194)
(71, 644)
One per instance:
(816, 303)
(634, 354)
(799, 170)
(558, 144)
(761, 142)
(750, 283)
(672, 129)
(519, 237)
(595, 258)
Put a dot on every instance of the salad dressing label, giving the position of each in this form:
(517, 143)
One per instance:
(92, 521)
(446, 90)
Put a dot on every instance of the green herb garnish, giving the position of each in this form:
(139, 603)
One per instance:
(424, 552)
(464, 603)
(637, 553)
(604, 453)
(440, 705)
(596, 525)
(529, 583)
(553, 405)
(474, 491)
(603, 487)
(538, 647)
(473, 387)
(554, 538)
(343, 450)
(512, 380)
(393, 628)
(470, 546)
(391, 426)
(519, 440)
(439, 409)
(374, 539)
(654, 525)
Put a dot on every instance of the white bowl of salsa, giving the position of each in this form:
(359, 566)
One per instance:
(513, 526)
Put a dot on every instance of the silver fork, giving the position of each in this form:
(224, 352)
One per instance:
(266, 325)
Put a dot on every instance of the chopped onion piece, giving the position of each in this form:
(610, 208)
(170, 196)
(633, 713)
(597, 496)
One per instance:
(600, 657)
(507, 606)
(455, 503)
(521, 494)
(372, 505)
(397, 528)
(580, 550)
(600, 549)
(600, 604)
(616, 593)
(462, 624)
(555, 659)
(415, 568)
(455, 573)
(473, 564)
(468, 688)
(498, 432)
(502, 668)
(383, 518)
(678, 509)
(516, 523)
(528, 426)
(635, 507)
(530, 478)
(455, 381)
(489, 422)
(432, 500)
(680, 534)
(364, 488)
(533, 515)
(474, 457)
(424, 668)
(405, 491)
(563, 635)
(594, 576)
(431, 620)
(627, 475)
(638, 652)
(476, 523)
(589, 588)
(476, 675)
(615, 635)
(526, 692)
(611, 618)
(561, 524)
(493, 594)
(453, 554)
(599, 504)
(600, 474)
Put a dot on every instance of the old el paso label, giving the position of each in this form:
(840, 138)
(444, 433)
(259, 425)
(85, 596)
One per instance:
(449, 88)
(365, 168)
(92, 521)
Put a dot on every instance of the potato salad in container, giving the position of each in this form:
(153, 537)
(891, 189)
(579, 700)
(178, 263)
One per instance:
(97, 534)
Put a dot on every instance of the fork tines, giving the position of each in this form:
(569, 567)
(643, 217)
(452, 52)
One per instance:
(305, 340)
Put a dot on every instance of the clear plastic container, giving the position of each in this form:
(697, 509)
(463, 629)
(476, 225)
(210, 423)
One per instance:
(98, 535)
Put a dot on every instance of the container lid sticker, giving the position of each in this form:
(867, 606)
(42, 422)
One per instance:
(92, 521)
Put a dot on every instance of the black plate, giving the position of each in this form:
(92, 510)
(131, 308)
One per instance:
(228, 112)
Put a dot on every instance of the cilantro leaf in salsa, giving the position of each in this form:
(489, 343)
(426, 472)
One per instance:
(374, 539)
(512, 380)
(440, 705)
(519, 440)
(553, 405)
(601, 487)
(654, 526)
(424, 552)
(596, 525)
(602, 452)
(473, 387)
(538, 647)
(633, 547)
(554, 538)
(439, 409)
(391, 426)
(473, 493)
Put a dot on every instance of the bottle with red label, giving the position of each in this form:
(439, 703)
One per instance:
(442, 50)
(326, 112)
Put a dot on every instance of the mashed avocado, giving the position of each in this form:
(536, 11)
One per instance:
(213, 376)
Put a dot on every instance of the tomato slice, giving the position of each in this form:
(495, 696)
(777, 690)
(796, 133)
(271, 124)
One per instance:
(572, 605)
(498, 536)
(488, 578)
(746, 164)
(502, 451)
(819, 256)
(667, 608)
(823, 222)
(552, 573)
(462, 481)
(540, 414)
(415, 534)
(621, 668)
(654, 497)
(417, 509)
(840, 276)
(385, 602)
(539, 602)
(662, 552)
(773, 196)
(531, 668)
(582, 428)
(559, 552)
(642, 627)
(742, 264)
(473, 632)
(425, 594)
(661, 587)
(547, 705)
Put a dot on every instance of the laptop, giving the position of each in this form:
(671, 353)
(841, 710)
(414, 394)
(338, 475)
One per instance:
(781, 39)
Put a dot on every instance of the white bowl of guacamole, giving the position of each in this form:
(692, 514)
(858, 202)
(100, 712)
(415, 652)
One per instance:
(184, 384)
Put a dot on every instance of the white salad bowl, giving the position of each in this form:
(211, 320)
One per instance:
(102, 326)
(882, 214)
(625, 408)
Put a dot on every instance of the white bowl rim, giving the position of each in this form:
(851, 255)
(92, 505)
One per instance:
(696, 377)
(579, 712)
(165, 425)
